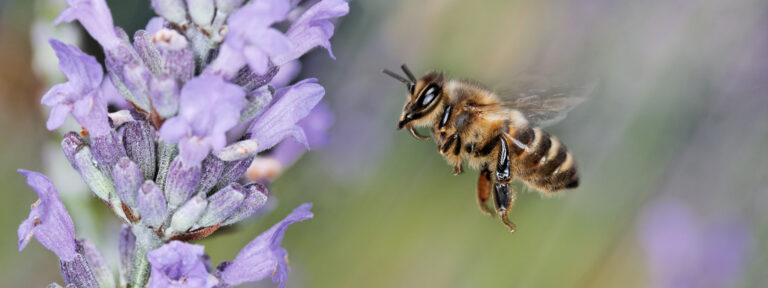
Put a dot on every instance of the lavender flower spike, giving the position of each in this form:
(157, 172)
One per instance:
(178, 264)
(264, 256)
(293, 104)
(81, 94)
(313, 28)
(208, 107)
(48, 220)
(95, 17)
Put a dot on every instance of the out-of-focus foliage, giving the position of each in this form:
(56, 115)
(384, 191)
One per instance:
(679, 121)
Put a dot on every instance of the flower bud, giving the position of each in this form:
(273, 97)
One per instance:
(227, 6)
(78, 272)
(238, 150)
(172, 10)
(71, 142)
(101, 271)
(211, 171)
(201, 11)
(164, 93)
(142, 43)
(107, 151)
(99, 183)
(188, 214)
(233, 171)
(128, 179)
(182, 181)
(152, 206)
(222, 204)
(178, 58)
(165, 153)
(136, 78)
(255, 198)
(138, 138)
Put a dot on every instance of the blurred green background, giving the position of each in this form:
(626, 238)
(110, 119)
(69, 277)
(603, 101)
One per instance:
(672, 148)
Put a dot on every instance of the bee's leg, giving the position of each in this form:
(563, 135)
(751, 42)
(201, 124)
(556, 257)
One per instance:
(457, 169)
(484, 192)
(504, 197)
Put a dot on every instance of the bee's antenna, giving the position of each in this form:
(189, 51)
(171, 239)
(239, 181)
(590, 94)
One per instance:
(408, 73)
(398, 77)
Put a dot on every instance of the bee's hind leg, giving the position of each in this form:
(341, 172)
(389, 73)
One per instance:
(505, 198)
(484, 192)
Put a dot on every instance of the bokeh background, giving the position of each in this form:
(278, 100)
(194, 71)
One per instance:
(672, 147)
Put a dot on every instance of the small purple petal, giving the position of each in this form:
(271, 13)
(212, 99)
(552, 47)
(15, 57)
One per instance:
(313, 28)
(112, 96)
(58, 116)
(293, 104)
(264, 256)
(287, 73)
(178, 264)
(48, 220)
(315, 125)
(155, 24)
(95, 17)
(208, 107)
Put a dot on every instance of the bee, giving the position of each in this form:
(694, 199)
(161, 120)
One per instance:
(497, 133)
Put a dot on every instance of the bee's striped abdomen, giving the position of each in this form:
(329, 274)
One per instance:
(544, 163)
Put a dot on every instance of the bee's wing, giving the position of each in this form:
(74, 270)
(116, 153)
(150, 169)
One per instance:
(543, 104)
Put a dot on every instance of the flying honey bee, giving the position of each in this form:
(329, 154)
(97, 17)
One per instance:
(497, 133)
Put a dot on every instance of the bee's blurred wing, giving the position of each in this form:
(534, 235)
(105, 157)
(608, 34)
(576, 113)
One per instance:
(543, 104)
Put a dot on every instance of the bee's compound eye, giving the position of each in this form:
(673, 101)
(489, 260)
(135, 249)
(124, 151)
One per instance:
(429, 95)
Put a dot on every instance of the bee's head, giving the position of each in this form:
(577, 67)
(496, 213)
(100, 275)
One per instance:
(425, 94)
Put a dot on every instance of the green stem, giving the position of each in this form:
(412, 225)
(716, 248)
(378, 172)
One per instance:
(146, 240)
(140, 275)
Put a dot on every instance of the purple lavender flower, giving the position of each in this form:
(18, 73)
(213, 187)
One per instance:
(264, 256)
(251, 40)
(291, 104)
(48, 220)
(169, 164)
(178, 264)
(81, 95)
(208, 108)
(313, 28)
